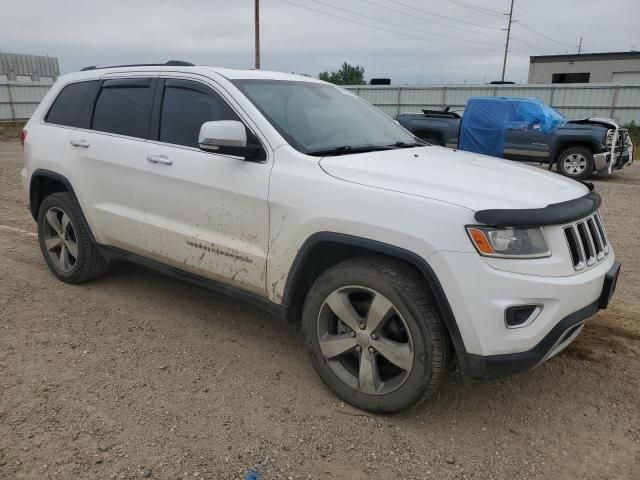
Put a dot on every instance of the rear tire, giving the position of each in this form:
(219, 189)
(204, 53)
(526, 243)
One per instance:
(374, 336)
(65, 240)
(576, 163)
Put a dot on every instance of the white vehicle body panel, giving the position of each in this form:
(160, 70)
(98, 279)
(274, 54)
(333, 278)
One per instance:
(114, 203)
(467, 179)
(480, 295)
(226, 237)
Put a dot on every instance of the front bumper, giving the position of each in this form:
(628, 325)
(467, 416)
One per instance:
(479, 294)
(493, 367)
(602, 161)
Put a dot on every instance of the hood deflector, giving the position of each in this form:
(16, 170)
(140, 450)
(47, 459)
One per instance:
(552, 214)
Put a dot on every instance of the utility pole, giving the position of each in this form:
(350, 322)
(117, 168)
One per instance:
(257, 23)
(580, 46)
(506, 46)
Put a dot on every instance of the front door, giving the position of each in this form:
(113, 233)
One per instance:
(530, 144)
(205, 213)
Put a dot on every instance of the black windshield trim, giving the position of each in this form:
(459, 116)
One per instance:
(348, 150)
(410, 145)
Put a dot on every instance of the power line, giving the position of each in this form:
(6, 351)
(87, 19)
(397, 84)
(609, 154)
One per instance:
(352, 12)
(476, 8)
(380, 28)
(543, 35)
(419, 17)
(518, 53)
(529, 44)
(443, 16)
(468, 5)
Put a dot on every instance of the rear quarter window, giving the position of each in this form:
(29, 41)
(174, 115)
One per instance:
(72, 107)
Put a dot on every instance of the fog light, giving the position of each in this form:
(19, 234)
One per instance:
(520, 316)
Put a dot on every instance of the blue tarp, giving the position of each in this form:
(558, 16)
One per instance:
(486, 121)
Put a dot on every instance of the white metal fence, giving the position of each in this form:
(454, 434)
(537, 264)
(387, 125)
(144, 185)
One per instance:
(18, 100)
(620, 102)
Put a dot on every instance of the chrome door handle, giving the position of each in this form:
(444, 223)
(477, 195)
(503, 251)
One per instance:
(80, 142)
(159, 159)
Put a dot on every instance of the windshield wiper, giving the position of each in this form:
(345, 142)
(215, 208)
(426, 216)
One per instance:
(348, 149)
(408, 145)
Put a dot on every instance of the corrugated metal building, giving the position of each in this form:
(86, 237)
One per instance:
(615, 67)
(17, 67)
(24, 81)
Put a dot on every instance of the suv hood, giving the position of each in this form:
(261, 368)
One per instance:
(466, 179)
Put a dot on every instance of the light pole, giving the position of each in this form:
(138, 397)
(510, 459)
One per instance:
(506, 47)
(257, 33)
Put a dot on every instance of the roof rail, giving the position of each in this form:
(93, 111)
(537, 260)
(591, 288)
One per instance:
(170, 63)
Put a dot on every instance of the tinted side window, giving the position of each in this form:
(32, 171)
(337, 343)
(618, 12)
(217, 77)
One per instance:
(124, 107)
(185, 109)
(73, 105)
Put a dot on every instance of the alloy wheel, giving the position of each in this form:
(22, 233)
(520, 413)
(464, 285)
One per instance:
(575, 164)
(60, 239)
(364, 340)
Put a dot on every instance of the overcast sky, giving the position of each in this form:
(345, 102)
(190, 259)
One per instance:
(413, 42)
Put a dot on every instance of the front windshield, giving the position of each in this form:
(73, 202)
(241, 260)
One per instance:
(316, 118)
(560, 115)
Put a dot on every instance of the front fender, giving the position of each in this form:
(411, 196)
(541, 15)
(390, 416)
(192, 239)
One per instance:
(564, 141)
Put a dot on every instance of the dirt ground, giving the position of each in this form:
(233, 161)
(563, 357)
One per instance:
(140, 372)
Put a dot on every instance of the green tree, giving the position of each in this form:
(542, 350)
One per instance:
(347, 75)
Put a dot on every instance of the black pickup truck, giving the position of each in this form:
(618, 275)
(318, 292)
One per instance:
(577, 148)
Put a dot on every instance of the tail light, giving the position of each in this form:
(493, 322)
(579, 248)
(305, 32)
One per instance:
(23, 136)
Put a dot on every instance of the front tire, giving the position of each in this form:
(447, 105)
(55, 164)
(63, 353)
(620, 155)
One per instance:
(65, 240)
(374, 336)
(576, 163)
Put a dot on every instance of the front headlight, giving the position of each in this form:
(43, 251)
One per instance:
(509, 242)
(608, 139)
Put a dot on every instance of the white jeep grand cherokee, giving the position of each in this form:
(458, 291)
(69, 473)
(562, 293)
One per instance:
(300, 196)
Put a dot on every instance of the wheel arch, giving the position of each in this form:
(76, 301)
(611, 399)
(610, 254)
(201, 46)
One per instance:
(42, 184)
(565, 143)
(324, 249)
(45, 182)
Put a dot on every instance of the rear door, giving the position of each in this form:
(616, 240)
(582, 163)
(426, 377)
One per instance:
(108, 162)
(70, 110)
(205, 213)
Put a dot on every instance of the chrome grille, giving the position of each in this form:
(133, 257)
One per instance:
(623, 138)
(587, 241)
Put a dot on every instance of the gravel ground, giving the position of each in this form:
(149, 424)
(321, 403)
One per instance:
(139, 375)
